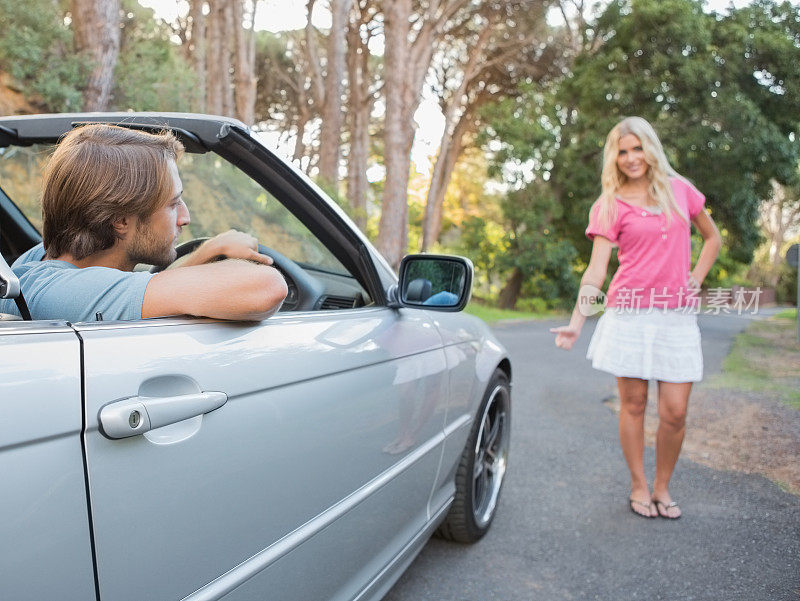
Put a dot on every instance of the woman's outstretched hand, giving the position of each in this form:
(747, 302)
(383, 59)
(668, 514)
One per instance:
(566, 336)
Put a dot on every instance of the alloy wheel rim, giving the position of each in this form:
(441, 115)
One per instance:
(491, 454)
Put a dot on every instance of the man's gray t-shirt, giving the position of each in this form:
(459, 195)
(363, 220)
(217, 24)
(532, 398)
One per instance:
(57, 290)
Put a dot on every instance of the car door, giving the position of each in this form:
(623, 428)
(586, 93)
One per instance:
(303, 484)
(45, 546)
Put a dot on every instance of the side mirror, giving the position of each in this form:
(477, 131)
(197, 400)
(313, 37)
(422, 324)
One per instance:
(434, 282)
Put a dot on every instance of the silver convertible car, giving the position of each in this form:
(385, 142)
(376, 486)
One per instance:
(309, 456)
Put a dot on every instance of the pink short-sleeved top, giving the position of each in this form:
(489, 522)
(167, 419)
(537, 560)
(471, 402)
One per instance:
(654, 258)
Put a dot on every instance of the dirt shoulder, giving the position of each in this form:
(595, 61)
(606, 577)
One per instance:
(748, 417)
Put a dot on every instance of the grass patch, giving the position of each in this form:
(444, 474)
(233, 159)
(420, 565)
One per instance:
(787, 314)
(765, 358)
(492, 314)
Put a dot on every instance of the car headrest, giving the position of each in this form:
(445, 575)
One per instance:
(9, 283)
(418, 290)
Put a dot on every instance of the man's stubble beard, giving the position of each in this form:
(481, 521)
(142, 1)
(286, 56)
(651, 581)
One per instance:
(146, 248)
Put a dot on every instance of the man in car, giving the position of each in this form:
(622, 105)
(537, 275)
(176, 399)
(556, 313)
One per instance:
(112, 199)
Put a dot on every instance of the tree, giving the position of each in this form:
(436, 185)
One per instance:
(328, 89)
(244, 62)
(97, 35)
(218, 41)
(411, 37)
(152, 73)
(282, 94)
(36, 53)
(504, 44)
(532, 255)
(194, 43)
(780, 219)
(363, 72)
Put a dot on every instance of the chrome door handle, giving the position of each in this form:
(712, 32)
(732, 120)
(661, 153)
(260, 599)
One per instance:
(139, 414)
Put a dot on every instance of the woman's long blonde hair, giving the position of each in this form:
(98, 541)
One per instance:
(659, 172)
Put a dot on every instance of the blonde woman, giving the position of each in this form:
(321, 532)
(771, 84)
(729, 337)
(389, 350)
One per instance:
(649, 329)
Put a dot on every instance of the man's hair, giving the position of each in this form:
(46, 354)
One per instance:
(97, 175)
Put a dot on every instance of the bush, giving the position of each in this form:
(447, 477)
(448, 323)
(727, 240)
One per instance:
(36, 50)
(532, 305)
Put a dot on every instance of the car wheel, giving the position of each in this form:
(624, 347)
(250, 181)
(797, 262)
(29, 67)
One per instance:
(480, 473)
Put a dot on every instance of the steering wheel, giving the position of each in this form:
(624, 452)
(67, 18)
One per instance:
(304, 291)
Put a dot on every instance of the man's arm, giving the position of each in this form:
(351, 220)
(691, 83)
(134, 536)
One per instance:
(230, 289)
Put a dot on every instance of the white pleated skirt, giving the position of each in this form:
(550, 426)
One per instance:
(660, 345)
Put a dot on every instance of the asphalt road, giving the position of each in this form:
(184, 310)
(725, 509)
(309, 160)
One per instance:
(563, 528)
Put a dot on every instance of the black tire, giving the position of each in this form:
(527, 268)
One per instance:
(480, 473)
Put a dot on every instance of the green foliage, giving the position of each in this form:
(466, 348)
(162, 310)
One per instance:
(277, 77)
(531, 245)
(335, 194)
(36, 50)
(482, 241)
(534, 305)
(726, 271)
(151, 73)
(522, 237)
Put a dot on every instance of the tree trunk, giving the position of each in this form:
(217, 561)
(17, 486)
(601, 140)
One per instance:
(456, 115)
(97, 33)
(358, 159)
(442, 172)
(360, 109)
(303, 117)
(244, 72)
(225, 54)
(197, 49)
(507, 299)
(392, 236)
(406, 65)
(357, 163)
(216, 73)
(331, 110)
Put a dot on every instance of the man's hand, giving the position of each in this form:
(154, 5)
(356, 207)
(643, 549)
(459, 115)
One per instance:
(236, 245)
(230, 245)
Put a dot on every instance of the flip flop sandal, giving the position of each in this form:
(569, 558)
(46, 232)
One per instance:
(666, 507)
(644, 505)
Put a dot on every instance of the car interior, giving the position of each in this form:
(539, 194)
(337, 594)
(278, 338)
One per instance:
(220, 196)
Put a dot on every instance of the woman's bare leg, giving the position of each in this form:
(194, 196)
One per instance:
(673, 400)
(633, 400)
